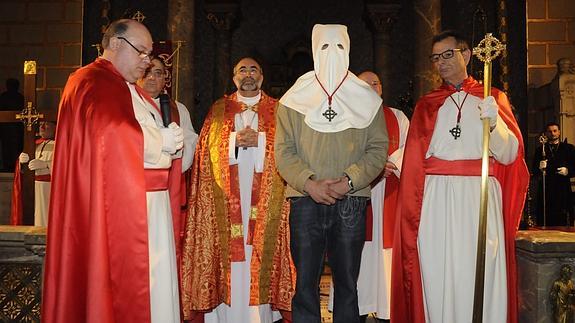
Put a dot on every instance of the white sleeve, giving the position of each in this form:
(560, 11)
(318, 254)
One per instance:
(154, 157)
(190, 137)
(503, 144)
(150, 122)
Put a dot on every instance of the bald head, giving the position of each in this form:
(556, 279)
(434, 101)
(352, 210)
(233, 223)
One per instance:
(127, 45)
(372, 79)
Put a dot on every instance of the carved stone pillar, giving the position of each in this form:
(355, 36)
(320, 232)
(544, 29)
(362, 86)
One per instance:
(222, 17)
(427, 21)
(181, 28)
(381, 18)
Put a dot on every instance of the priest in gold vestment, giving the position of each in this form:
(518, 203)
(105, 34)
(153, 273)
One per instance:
(236, 265)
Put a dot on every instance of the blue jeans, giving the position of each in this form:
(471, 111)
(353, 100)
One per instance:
(339, 230)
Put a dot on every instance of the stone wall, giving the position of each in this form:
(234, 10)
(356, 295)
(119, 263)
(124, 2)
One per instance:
(48, 32)
(551, 35)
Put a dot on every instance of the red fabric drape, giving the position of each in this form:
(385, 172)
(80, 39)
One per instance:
(16, 212)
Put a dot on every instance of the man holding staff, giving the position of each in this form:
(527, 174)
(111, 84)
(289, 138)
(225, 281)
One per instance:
(435, 246)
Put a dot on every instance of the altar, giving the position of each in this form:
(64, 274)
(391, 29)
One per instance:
(540, 256)
(22, 251)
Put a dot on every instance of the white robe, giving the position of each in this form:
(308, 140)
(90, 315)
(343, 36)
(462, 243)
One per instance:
(164, 294)
(447, 238)
(249, 160)
(374, 281)
(45, 152)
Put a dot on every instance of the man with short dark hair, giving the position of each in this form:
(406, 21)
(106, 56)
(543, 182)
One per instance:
(435, 246)
(235, 261)
(111, 251)
(559, 166)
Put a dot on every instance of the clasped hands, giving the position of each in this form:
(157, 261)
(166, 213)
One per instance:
(33, 164)
(247, 137)
(327, 191)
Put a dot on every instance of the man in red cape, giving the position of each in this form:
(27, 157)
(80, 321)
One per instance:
(99, 263)
(434, 254)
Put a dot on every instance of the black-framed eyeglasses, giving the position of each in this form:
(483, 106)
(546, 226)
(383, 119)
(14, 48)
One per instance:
(141, 53)
(445, 55)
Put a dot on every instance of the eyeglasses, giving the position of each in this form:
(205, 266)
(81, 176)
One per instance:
(434, 58)
(157, 73)
(142, 54)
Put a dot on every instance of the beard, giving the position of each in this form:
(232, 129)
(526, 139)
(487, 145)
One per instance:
(249, 84)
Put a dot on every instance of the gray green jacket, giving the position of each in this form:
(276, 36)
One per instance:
(302, 152)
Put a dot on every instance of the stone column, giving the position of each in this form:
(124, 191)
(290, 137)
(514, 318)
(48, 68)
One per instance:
(427, 20)
(181, 28)
(381, 18)
(222, 17)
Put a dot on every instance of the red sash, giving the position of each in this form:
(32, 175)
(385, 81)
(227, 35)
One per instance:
(436, 166)
(156, 179)
(391, 187)
(16, 213)
(43, 178)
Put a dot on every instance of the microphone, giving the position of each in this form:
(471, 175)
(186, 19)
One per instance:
(165, 109)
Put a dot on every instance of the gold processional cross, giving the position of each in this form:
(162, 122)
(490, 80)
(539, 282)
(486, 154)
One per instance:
(29, 116)
(489, 48)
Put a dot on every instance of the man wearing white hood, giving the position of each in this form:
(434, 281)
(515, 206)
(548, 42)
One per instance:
(330, 143)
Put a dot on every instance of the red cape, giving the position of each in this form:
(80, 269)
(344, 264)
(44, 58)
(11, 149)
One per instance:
(96, 267)
(392, 182)
(390, 190)
(16, 212)
(407, 300)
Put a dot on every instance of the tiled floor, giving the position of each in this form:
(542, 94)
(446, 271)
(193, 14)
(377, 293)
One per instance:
(324, 296)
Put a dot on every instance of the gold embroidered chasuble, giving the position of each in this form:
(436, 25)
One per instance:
(207, 252)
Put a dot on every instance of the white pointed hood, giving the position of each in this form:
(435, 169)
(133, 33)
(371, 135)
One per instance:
(354, 102)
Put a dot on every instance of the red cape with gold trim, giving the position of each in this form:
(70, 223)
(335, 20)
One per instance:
(406, 298)
(206, 262)
(96, 267)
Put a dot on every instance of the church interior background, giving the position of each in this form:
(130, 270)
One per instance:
(391, 37)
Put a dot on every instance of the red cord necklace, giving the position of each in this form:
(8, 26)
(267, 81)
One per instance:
(456, 131)
(329, 113)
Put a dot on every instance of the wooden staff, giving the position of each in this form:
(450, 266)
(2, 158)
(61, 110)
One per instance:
(489, 48)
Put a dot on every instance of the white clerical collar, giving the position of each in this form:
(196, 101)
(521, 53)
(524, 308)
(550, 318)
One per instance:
(249, 101)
